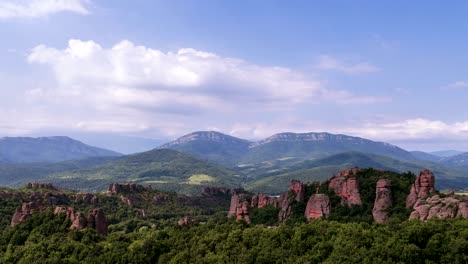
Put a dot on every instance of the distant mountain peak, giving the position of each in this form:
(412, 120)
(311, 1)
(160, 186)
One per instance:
(48, 149)
(314, 136)
(213, 136)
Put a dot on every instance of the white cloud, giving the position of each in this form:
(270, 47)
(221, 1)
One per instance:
(38, 8)
(332, 64)
(134, 88)
(418, 128)
(456, 85)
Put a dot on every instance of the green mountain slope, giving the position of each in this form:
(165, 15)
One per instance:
(211, 145)
(231, 151)
(457, 160)
(18, 174)
(322, 169)
(424, 156)
(47, 149)
(164, 169)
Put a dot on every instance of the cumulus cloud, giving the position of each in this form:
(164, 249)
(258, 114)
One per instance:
(38, 8)
(330, 63)
(142, 74)
(132, 88)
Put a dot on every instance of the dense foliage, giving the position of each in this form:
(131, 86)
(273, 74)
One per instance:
(45, 238)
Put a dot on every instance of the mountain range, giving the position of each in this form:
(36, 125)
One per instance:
(231, 151)
(47, 149)
(209, 158)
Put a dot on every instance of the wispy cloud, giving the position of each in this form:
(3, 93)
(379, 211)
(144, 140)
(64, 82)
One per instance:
(37, 8)
(330, 63)
(418, 128)
(455, 85)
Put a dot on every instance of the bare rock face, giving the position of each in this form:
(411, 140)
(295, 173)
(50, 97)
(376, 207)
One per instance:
(97, 220)
(26, 210)
(87, 198)
(295, 193)
(346, 186)
(78, 220)
(298, 188)
(116, 188)
(127, 200)
(383, 201)
(261, 200)
(187, 221)
(422, 187)
(215, 191)
(435, 206)
(240, 207)
(318, 207)
(40, 185)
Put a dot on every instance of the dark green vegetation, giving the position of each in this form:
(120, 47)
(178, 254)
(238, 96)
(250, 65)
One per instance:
(47, 149)
(146, 231)
(164, 169)
(148, 208)
(46, 239)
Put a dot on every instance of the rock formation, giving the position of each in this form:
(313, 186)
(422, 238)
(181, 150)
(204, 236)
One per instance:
(116, 188)
(421, 188)
(295, 193)
(86, 198)
(440, 207)
(261, 200)
(383, 201)
(346, 186)
(97, 220)
(318, 206)
(187, 221)
(40, 185)
(78, 220)
(26, 210)
(239, 206)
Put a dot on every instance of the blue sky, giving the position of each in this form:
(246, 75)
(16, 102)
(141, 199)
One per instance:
(150, 71)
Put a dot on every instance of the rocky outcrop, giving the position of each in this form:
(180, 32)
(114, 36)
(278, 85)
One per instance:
(318, 207)
(215, 191)
(436, 206)
(116, 188)
(295, 193)
(97, 220)
(86, 198)
(261, 200)
(25, 211)
(346, 186)
(239, 207)
(421, 188)
(383, 201)
(77, 219)
(187, 221)
(40, 185)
